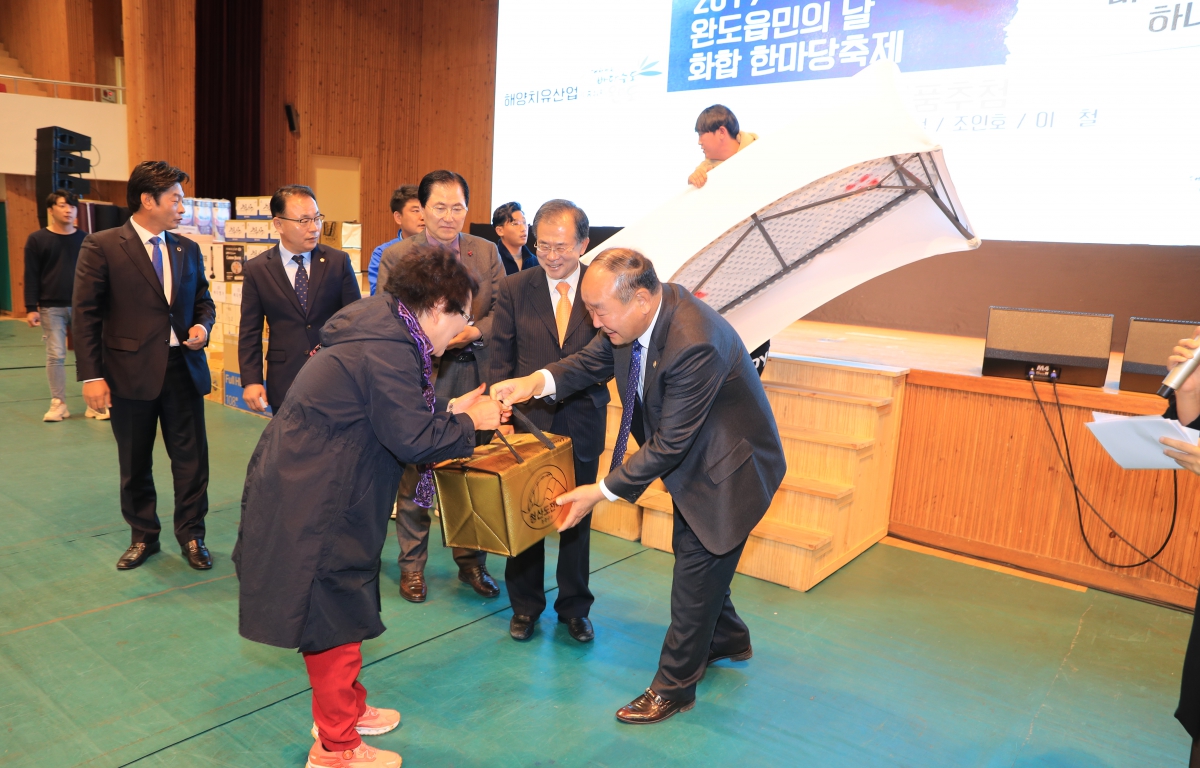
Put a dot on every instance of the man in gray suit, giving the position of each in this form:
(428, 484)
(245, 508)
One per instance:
(444, 197)
(693, 400)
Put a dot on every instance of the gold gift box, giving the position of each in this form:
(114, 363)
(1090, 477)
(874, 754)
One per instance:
(493, 503)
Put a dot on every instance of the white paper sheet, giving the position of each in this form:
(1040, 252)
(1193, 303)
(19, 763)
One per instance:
(1132, 441)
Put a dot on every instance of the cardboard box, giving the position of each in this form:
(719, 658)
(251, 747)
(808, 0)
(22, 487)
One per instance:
(364, 284)
(217, 292)
(189, 212)
(261, 231)
(256, 249)
(234, 393)
(229, 314)
(235, 229)
(342, 235)
(355, 255)
(217, 393)
(252, 207)
(231, 349)
(492, 502)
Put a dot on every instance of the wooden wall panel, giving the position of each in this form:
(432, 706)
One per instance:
(977, 473)
(21, 210)
(160, 71)
(458, 95)
(352, 70)
(106, 39)
(51, 39)
(406, 88)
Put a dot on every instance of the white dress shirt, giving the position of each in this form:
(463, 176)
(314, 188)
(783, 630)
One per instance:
(291, 267)
(168, 276)
(548, 388)
(572, 281)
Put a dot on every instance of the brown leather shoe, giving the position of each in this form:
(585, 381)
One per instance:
(197, 555)
(412, 586)
(651, 708)
(137, 554)
(480, 580)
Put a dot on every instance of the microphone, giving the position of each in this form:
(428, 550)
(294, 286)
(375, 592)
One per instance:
(1179, 374)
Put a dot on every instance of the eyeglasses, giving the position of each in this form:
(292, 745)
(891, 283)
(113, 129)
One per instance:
(470, 318)
(441, 210)
(307, 221)
(561, 249)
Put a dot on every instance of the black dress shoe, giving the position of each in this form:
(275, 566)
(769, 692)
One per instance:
(521, 627)
(651, 708)
(580, 629)
(197, 555)
(480, 580)
(412, 586)
(739, 656)
(137, 554)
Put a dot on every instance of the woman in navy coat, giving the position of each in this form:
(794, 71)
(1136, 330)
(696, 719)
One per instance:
(320, 486)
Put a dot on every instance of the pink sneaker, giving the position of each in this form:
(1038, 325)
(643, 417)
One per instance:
(373, 722)
(360, 757)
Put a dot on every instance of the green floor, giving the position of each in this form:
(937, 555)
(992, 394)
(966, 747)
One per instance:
(899, 659)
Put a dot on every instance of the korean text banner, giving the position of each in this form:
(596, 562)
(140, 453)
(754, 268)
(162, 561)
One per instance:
(722, 43)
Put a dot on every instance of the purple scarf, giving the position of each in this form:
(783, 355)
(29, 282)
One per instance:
(424, 494)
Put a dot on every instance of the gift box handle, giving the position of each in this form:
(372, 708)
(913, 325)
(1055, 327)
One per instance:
(508, 445)
(532, 428)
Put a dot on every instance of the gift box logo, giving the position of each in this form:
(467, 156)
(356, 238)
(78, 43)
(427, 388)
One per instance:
(538, 509)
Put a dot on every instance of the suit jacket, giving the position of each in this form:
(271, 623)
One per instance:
(710, 434)
(267, 294)
(122, 321)
(482, 258)
(525, 339)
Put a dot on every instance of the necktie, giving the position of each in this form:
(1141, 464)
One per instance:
(301, 282)
(562, 311)
(158, 265)
(628, 403)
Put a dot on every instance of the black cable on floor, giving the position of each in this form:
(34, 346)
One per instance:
(1149, 559)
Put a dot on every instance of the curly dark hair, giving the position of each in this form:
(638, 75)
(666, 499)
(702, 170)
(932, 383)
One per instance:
(429, 274)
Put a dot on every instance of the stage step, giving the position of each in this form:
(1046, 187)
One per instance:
(658, 523)
(878, 403)
(834, 491)
(824, 437)
(792, 535)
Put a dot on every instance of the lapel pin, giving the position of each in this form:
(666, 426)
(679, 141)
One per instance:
(322, 259)
(654, 364)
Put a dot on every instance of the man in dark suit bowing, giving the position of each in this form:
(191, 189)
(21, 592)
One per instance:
(142, 315)
(689, 389)
(540, 319)
(295, 286)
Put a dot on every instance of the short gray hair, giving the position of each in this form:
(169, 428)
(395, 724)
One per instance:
(557, 207)
(631, 270)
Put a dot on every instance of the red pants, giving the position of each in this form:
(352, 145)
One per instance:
(338, 698)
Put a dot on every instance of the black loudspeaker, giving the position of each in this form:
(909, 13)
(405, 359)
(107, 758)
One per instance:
(1067, 347)
(1149, 344)
(59, 164)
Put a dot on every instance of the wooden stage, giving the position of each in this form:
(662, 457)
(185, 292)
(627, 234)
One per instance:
(977, 472)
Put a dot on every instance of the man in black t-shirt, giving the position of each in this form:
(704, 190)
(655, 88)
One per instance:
(50, 256)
